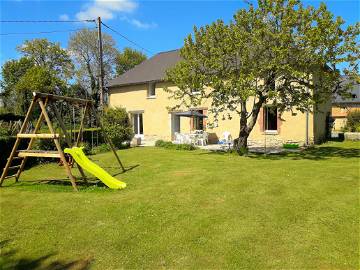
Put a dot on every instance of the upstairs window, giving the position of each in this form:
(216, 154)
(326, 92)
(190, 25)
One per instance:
(152, 90)
(270, 118)
(195, 91)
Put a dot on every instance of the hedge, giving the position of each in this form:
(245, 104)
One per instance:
(6, 145)
(170, 145)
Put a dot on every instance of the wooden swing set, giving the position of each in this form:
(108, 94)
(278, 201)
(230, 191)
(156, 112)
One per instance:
(46, 102)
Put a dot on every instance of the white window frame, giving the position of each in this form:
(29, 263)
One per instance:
(137, 133)
(150, 85)
(195, 92)
(269, 131)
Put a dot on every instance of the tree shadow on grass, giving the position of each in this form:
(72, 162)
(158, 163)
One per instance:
(316, 153)
(9, 260)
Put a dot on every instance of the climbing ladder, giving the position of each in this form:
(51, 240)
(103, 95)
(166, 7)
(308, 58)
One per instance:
(43, 100)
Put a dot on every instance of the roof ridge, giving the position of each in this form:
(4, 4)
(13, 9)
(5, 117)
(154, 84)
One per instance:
(152, 69)
(168, 51)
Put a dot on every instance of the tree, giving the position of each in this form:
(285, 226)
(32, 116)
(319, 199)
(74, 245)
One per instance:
(49, 58)
(280, 53)
(11, 72)
(117, 125)
(128, 59)
(37, 79)
(84, 46)
(48, 54)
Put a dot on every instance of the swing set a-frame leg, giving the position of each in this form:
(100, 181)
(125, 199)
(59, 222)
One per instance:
(17, 142)
(107, 139)
(31, 142)
(58, 146)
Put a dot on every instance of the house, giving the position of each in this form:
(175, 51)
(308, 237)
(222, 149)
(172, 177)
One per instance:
(141, 91)
(342, 106)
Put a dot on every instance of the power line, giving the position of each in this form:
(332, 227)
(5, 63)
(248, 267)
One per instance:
(44, 32)
(44, 21)
(124, 37)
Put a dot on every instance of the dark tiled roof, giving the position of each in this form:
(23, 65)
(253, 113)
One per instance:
(153, 69)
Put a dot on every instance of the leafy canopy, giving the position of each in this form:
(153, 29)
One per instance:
(117, 125)
(279, 52)
(85, 50)
(45, 53)
(11, 72)
(44, 66)
(128, 59)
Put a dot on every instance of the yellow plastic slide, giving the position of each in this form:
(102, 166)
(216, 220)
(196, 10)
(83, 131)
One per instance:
(81, 159)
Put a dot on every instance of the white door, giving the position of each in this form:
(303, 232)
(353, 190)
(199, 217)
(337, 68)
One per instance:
(175, 124)
(138, 125)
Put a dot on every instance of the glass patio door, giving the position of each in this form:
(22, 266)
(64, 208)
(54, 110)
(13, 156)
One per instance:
(138, 125)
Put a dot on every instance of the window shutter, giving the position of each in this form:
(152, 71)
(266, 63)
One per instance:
(204, 119)
(261, 119)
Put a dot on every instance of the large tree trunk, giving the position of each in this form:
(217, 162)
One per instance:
(240, 144)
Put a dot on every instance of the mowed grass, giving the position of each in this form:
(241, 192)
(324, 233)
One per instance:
(190, 209)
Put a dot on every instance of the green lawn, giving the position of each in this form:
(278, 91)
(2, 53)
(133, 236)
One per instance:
(190, 209)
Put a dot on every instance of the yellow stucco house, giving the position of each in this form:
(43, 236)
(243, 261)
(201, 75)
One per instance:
(341, 107)
(141, 91)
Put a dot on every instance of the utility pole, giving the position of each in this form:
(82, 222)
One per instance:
(101, 75)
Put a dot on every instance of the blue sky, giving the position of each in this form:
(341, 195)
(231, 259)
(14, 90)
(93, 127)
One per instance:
(156, 25)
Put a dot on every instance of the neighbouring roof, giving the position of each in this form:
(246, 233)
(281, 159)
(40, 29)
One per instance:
(152, 69)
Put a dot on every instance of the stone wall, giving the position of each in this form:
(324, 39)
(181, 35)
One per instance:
(352, 136)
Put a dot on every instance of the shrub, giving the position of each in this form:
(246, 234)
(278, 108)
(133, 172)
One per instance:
(6, 145)
(117, 126)
(353, 121)
(87, 148)
(4, 131)
(170, 145)
(162, 143)
(100, 149)
(290, 146)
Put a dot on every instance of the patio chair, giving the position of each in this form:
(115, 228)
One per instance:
(178, 138)
(186, 138)
(226, 140)
(203, 139)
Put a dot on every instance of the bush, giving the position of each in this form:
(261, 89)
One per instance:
(100, 149)
(170, 145)
(117, 126)
(162, 143)
(6, 145)
(7, 117)
(290, 146)
(4, 131)
(87, 148)
(353, 121)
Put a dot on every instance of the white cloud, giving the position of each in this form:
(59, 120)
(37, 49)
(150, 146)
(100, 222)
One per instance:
(64, 17)
(105, 9)
(139, 24)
